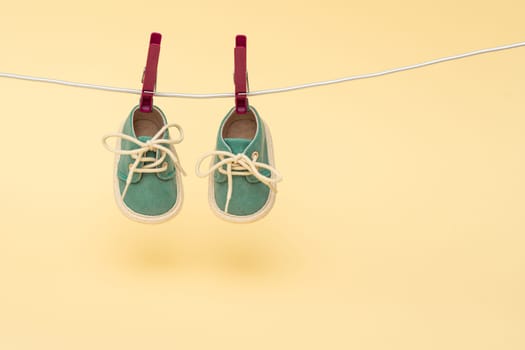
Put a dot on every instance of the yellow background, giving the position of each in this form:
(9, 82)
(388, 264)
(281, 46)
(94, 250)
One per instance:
(400, 223)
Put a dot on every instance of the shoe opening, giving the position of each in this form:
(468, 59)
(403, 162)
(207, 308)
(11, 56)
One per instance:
(240, 126)
(147, 124)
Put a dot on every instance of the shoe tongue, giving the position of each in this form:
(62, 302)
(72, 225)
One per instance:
(144, 138)
(237, 145)
(148, 153)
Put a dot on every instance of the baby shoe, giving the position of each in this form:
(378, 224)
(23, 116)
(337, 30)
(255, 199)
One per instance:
(242, 177)
(147, 178)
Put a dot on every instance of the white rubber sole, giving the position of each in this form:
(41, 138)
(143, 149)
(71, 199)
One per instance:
(245, 218)
(145, 219)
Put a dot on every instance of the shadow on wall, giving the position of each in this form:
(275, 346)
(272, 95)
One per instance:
(223, 250)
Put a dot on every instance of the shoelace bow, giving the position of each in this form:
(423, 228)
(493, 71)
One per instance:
(150, 164)
(238, 165)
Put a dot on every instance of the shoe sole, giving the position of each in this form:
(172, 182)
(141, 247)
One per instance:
(257, 215)
(145, 219)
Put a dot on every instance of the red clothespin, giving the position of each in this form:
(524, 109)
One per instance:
(240, 75)
(149, 79)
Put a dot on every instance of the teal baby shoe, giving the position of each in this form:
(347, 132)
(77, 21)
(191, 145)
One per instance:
(242, 177)
(147, 180)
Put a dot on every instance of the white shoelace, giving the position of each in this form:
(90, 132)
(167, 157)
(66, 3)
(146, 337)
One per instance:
(151, 164)
(238, 165)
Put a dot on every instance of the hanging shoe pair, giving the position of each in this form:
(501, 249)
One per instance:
(147, 177)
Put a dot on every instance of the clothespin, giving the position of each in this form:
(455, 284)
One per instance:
(149, 78)
(240, 75)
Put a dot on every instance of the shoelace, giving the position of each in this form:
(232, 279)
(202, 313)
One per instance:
(238, 165)
(151, 164)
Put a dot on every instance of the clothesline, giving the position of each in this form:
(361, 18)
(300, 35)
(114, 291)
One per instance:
(267, 91)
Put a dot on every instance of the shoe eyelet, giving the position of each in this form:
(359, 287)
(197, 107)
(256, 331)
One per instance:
(255, 155)
(165, 165)
(130, 166)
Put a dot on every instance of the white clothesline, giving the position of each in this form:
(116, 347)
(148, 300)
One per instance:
(267, 91)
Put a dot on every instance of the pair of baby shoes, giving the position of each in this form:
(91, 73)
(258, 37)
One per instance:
(147, 174)
(242, 177)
